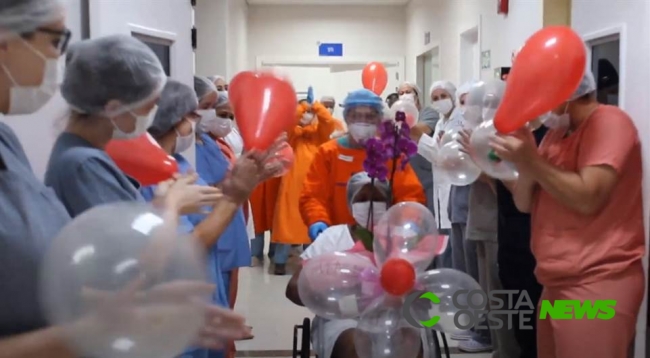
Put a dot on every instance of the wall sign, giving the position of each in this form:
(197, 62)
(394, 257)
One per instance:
(330, 50)
(485, 59)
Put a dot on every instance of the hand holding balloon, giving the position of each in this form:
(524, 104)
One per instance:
(182, 195)
(518, 147)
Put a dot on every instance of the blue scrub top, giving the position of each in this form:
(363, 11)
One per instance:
(31, 216)
(233, 246)
(186, 226)
(84, 176)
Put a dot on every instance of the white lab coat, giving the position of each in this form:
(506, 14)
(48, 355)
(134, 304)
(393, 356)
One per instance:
(428, 148)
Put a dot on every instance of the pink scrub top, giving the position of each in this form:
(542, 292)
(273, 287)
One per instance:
(572, 248)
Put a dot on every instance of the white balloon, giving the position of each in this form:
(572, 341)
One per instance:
(484, 156)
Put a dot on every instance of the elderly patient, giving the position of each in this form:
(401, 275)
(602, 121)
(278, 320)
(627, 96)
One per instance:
(338, 335)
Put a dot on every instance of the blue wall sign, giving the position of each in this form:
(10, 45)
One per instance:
(330, 50)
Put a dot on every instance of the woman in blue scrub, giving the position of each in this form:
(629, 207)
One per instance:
(173, 128)
(33, 37)
(211, 164)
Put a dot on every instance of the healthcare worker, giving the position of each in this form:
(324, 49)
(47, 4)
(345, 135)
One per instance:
(314, 127)
(583, 190)
(233, 138)
(443, 97)
(220, 83)
(323, 198)
(79, 170)
(427, 117)
(339, 127)
(213, 166)
(173, 128)
(33, 36)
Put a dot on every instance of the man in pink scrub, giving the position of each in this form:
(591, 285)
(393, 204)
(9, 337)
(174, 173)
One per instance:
(583, 190)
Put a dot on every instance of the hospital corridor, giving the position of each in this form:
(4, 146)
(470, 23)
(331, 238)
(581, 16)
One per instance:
(324, 178)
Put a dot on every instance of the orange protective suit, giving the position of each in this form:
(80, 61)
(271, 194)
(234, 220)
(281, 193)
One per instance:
(288, 227)
(323, 197)
(263, 201)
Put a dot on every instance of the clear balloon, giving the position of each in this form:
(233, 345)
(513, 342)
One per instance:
(407, 231)
(456, 165)
(484, 156)
(494, 91)
(473, 110)
(409, 108)
(339, 285)
(124, 284)
(383, 333)
(450, 135)
(284, 156)
(452, 288)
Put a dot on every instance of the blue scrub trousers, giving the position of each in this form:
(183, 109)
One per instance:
(257, 247)
(282, 253)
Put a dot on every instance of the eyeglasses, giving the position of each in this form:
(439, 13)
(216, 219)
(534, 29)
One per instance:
(363, 117)
(62, 39)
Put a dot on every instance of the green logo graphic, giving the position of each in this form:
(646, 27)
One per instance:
(575, 309)
(435, 300)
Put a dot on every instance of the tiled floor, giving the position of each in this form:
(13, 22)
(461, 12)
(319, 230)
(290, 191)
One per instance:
(261, 299)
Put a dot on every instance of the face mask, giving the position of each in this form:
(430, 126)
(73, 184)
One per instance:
(184, 143)
(141, 125)
(557, 121)
(210, 123)
(361, 212)
(443, 106)
(235, 141)
(29, 99)
(307, 118)
(408, 97)
(362, 131)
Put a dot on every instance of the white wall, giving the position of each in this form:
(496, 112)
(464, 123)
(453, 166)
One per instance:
(448, 19)
(223, 37)
(295, 31)
(592, 16)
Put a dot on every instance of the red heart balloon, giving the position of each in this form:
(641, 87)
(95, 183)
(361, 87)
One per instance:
(264, 107)
(142, 159)
(546, 72)
(374, 77)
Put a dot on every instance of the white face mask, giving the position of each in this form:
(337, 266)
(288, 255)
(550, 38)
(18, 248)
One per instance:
(407, 97)
(29, 99)
(443, 106)
(307, 118)
(211, 123)
(362, 131)
(184, 143)
(361, 212)
(235, 141)
(557, 121)
(142, 123)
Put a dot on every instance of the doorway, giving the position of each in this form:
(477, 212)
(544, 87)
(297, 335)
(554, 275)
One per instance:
(428, 71)
(470, 56)
(605, 65)
(331, 78)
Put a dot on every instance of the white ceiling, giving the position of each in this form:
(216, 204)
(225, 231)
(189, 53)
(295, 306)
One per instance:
(327, 2)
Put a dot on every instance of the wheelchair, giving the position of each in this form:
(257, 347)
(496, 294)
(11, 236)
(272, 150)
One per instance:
(304, 351)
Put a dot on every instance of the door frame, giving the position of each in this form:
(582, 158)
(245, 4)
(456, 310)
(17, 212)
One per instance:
(261, 61)
(593, 38)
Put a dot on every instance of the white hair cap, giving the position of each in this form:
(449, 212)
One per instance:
(465, 88)
(447, 86)
(587, 85)
(413, 86)
(215, 78)
(327, 99)
(23, 16)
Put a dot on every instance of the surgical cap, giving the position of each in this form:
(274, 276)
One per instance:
(587, 85)
(116, 67)
(413, 86)
(362, 97)
(328, 99)
(23, 16)
(444, 85)
(176, 101)
(203, 86)
(465, 88)
(361, 179)
(214, 79)
(222, 100)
